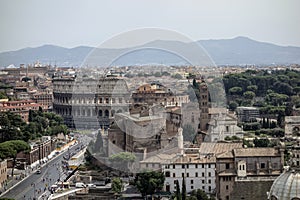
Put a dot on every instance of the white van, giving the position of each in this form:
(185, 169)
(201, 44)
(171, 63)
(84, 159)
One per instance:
(80, 185)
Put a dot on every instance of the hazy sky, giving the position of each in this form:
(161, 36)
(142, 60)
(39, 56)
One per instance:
(71, 23)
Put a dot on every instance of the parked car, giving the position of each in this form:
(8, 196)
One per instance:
(80, 185)
(90, 185)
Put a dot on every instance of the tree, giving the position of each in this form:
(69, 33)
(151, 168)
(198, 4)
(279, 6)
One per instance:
(149, 182)
(236, 91)
(199, 194)
(249, 95)
(177, 76)
(10, 149)
(117, 185)
(178, 196)
(233, 105)
(252, 88)
(261, 142)
(3, 95)
(183, 194)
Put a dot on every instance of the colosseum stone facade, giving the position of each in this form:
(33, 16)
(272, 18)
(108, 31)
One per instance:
(89, 103)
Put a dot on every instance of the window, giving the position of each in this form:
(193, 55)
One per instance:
(187, 166)
(227, 128)
(174, 175)
(182, 174)
(262, 165)
(202, 165)
(209, 174)
(208, 165)
(203, 174)
(168, 174)
(196, 174)
(182, 166)
(187, 174)
(106, 113)
(209, 188)
(173, 166)
(227, 166)
(227, 187)
(209, 181)
(192, 181)
(192, 187)
(196, 166)
(203, 188)
(203, 182)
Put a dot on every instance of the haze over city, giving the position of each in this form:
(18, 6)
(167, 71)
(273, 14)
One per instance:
(74, 23)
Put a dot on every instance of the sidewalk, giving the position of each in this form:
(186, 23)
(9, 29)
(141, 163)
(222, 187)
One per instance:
(31, 169)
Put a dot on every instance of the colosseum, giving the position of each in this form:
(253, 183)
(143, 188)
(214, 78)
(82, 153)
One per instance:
(89, 103)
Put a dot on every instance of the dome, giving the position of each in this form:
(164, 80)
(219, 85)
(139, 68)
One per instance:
(286, 186)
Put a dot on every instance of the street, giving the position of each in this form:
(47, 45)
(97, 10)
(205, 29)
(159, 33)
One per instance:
(36, 185)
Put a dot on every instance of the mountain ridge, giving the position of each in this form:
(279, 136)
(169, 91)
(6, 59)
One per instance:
(236, 51)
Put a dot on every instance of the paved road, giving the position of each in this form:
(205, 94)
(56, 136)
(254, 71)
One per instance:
(36, 184)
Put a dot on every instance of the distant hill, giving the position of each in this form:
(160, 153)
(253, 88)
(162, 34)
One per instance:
(236, 51)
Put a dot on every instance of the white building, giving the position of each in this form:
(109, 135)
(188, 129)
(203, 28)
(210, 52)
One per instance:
(221, 126)
(199, 173)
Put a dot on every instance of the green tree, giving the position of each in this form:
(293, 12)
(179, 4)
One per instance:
(3, 95)
(261, 142)
(236, 90)
(157, 74)
(183, 194)
(177, 76)
(252, 88)
(177, 193)
(233, 105)
(10, 149)
(199, 194)
(249, 95)
(149, 182)
(117, 185)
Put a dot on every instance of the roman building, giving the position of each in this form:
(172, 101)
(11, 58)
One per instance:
(89, 102)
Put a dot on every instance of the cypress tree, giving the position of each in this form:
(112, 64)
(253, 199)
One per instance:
(183, 194)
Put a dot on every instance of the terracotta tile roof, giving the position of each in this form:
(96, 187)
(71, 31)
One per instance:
(195, 159)
(217, 148)
(255, 152)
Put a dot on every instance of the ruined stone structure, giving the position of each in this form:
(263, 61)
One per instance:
(155, 93)
(292, 126)
(89, 103)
